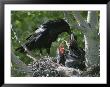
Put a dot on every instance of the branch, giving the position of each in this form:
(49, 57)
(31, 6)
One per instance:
(70, 18)
(92, 19)
(82, 23)
(22, 66)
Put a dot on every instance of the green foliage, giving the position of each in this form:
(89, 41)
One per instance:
(80, 37)
(25, 22)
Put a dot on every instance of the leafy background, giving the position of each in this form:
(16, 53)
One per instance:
(25, 23)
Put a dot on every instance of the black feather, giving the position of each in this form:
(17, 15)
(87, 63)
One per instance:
(45, 35)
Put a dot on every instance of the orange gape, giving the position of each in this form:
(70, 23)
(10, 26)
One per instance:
(61, 50)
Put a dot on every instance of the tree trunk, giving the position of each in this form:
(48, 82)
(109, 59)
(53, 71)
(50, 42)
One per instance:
(92, 48)
(92, 40)
(90, 28)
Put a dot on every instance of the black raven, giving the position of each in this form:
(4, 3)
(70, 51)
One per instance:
(45, 35)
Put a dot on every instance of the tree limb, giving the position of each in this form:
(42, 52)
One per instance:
(22, 66)
(82, 23)
(70, 19)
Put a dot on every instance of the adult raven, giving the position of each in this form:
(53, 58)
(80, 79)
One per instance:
(45, 35)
